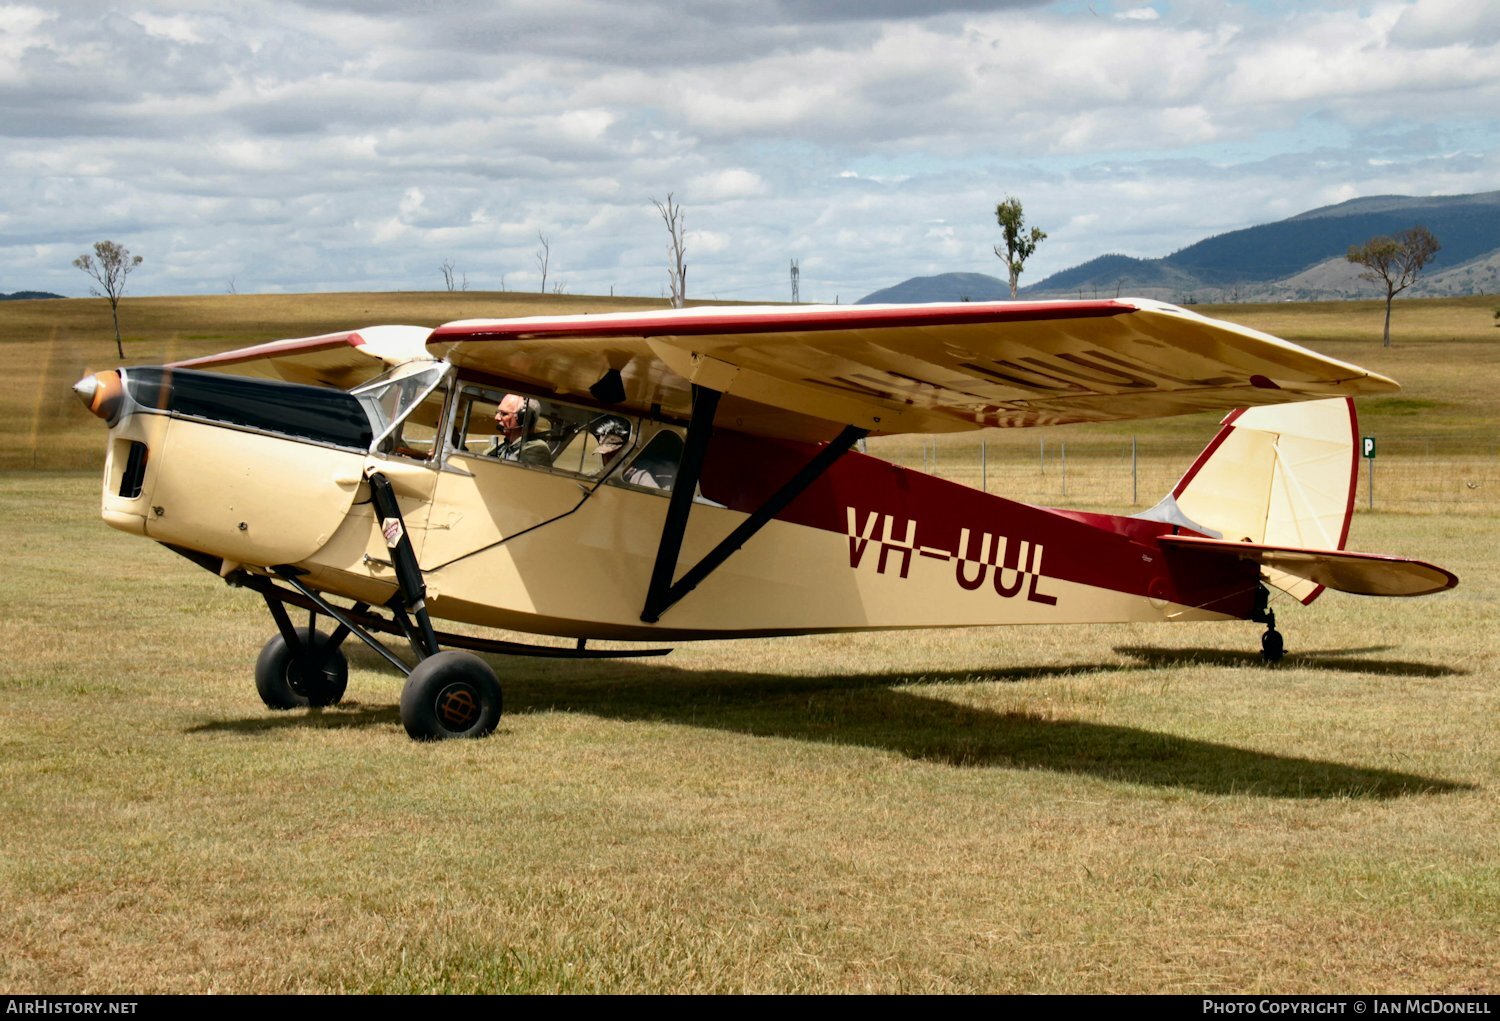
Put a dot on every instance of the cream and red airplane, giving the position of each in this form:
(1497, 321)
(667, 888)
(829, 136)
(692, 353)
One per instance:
(691, 474)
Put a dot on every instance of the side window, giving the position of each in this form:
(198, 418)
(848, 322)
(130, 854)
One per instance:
(417, 434)
(538, 433)
(655, 467)
(475, 430)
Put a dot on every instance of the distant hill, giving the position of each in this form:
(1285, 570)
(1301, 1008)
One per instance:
(1301, 257)
(943, 287)
(28, 295)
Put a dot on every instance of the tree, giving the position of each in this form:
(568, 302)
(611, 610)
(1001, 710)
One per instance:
(1018, 244)
(110, 265)
(1395, 262)
(676, 268)
(543, 257)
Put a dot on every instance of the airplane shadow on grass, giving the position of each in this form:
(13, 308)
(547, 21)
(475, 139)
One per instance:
(902, 712)
(1338, 660)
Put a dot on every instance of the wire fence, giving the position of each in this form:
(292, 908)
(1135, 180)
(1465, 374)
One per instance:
(1412, 476)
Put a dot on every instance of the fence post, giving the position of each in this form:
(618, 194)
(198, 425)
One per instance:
(1134, 481)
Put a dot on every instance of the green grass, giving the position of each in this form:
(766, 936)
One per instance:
(1093, 809)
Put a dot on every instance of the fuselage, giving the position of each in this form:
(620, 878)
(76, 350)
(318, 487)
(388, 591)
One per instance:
(264, 475)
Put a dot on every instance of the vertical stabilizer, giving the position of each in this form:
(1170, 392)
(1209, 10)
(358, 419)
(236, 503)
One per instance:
(1283, 475)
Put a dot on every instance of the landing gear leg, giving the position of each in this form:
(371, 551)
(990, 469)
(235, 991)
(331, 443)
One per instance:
(1271, 646)
(448, 694)
(301, 666)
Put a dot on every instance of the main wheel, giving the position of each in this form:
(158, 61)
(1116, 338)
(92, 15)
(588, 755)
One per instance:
(286, 678)
(1271, 647)
(451, 694)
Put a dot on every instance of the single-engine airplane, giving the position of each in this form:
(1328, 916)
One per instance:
(692, 474)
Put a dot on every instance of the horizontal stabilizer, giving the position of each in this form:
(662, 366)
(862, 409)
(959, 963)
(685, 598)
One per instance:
(1365, 574)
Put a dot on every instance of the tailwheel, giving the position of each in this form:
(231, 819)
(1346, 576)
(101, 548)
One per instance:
(450, 694)
(1271, 647)
(314, 672)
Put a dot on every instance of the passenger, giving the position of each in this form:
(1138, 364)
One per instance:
(612, 434)
(514, 420)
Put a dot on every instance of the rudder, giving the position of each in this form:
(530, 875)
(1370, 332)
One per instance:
(1281, 475)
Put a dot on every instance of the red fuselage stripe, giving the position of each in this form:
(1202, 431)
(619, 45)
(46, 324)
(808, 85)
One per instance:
(893, 516)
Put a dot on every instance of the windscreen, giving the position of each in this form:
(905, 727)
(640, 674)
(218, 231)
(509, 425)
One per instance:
(392, 395)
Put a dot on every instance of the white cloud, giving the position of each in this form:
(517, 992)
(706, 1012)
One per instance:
(725, 185)
(358, 143)
(1432, 23)
(178, 28)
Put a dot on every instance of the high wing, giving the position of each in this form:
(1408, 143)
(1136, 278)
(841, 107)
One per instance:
(341, 360)
(804, 371)
(1365, 574)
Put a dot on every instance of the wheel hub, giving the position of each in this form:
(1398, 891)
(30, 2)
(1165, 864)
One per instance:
(457, 706)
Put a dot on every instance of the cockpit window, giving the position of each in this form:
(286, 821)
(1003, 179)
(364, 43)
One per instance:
(655, 467)
(540, 433)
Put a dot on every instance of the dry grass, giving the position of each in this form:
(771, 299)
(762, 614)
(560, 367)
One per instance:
(1084, 809)
(45, 346)
(1446, 353)
(1091, 809)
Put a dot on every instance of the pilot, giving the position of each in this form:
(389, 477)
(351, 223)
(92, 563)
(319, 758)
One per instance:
(514, 420)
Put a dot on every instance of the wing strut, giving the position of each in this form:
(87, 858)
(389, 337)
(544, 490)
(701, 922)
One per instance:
(663, 593)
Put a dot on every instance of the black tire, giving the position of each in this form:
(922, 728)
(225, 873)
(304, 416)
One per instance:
(451, 694)
(1271, 647)
(286, 680)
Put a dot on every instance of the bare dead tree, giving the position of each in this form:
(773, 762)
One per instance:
(447, 268)
(110, 264)
(543, 257)
(671, 215)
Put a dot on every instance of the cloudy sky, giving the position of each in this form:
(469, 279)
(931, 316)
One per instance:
(318, 145)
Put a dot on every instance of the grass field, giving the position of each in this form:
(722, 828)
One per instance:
(1446, 354)
(1087, 809)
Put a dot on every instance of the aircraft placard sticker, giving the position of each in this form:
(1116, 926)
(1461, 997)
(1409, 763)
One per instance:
(393, 531)
(1367, 447)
